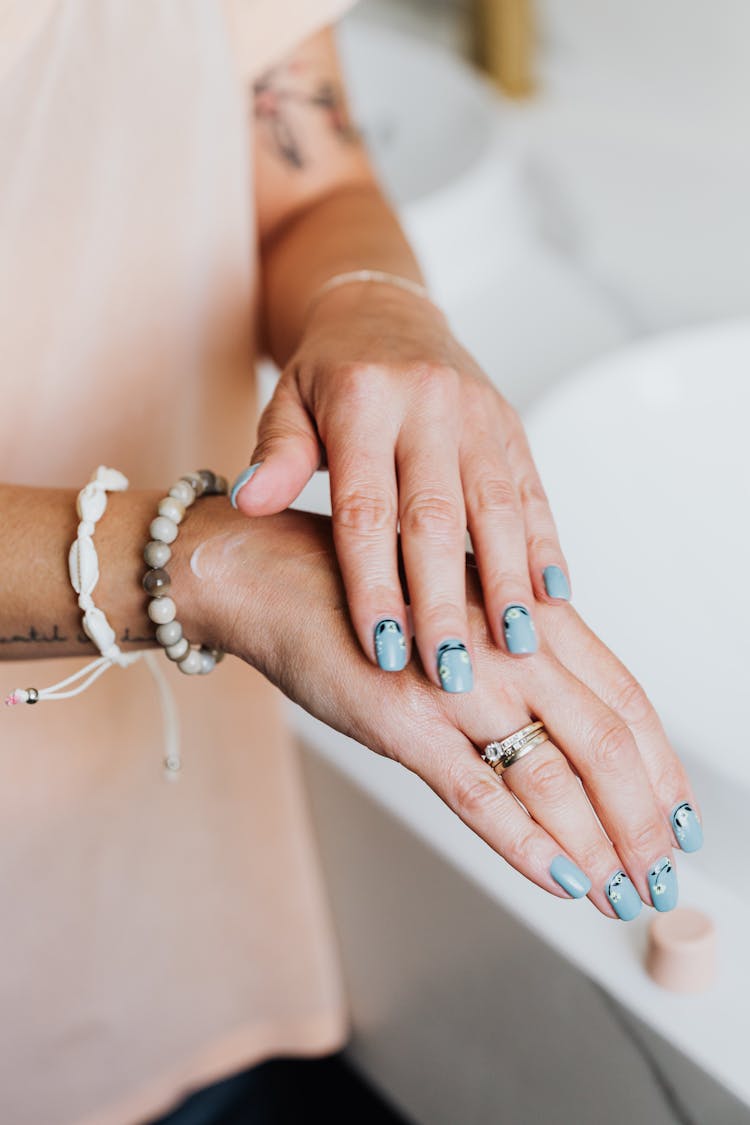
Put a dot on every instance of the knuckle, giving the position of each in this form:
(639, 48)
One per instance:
(443, 615)
(502, 589)
(436, 382)
(549, 777)
(630, 701)
(541, 545)
(593, 856)
(521, 845)
(472, 794)
(432, 513)
(532, 491)
(365, 511)
(360, 386)
(609, 746)
(670, 778)
(495, 496)
(648, 839)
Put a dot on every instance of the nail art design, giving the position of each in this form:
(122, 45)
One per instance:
(390, 645)
(454, 666)
(241, 481)
(687, 827)
(569, 877)
(556, 583)
(520, 635)
(662, 883)
(625, 899)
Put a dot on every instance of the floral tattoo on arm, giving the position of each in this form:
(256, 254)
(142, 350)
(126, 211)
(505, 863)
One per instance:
(279, 96)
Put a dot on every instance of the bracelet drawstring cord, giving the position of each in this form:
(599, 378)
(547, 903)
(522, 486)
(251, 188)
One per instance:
(83, 567)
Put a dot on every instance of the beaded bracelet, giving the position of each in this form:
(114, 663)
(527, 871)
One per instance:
(162, 610)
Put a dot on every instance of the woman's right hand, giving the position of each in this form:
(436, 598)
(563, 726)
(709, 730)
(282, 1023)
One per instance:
(269, 591)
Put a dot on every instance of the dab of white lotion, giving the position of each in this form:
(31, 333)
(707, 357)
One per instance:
(204, 568)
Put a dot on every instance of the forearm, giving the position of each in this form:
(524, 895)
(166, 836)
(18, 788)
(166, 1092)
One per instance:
(348, 229)
(39, 612)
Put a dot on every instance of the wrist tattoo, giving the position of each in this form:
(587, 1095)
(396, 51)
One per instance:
(275, 97)
(39, 637)
(34, 636)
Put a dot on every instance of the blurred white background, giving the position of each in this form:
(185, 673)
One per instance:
(609, 207)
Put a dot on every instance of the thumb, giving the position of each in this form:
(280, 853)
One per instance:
(287, 454)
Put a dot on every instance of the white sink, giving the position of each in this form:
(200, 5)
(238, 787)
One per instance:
(646, 459)
(435, 131)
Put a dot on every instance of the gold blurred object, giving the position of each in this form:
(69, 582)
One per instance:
(503, 43)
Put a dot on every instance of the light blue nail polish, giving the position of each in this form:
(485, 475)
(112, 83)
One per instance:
(390, 645)
(626, 902)
(520, 635)
(241, 481)
(569, 877)
(687, 827)
(454, 666)
(662, 883)
(555, 583)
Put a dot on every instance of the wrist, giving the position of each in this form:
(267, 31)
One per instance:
(208, 604)
(369, 299)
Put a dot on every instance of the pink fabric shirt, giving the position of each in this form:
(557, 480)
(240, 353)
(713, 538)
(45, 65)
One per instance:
(155, 937)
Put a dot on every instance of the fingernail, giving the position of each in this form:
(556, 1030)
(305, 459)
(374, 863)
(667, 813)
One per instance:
(520, 635)
(662, 883)
(687, 827)
(241, 481)
(555, 582)
(626, 902)
(390, 646)
(454, 666)
(569, 877)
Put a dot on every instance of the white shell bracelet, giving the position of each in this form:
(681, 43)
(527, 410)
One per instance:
(83, 567)
(162, 610)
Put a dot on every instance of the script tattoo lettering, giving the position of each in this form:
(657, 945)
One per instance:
(34, 636)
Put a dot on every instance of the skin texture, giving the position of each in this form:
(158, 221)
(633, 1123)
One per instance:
(245, 586)
(375, 386)
(603, 727)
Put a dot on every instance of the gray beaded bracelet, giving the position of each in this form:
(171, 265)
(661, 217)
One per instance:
(162, 610)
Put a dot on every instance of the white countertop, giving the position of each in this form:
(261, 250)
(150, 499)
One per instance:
(712, 1029)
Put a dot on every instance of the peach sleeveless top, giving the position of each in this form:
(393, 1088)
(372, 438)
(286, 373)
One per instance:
(154, 936)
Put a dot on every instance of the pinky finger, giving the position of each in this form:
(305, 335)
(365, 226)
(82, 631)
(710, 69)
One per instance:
(485, 804)
(547, 566)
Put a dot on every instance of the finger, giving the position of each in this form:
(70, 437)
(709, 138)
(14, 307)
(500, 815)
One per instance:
(603, 751)
(364, 502)
(433, 541)
(285, 457)
(546, 562)
(546, 785)
(594, 664)
(552, 794)
(498, 535)
(454, 770)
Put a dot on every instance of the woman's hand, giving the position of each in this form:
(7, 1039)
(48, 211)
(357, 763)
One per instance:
(413, 432)
(269, 591)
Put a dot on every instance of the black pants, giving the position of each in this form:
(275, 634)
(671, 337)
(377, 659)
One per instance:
(288, 1091)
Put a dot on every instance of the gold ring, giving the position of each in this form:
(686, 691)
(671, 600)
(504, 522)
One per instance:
(504, 752)
(496, 750)
(515, 755)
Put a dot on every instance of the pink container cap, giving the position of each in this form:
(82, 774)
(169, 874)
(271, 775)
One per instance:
(681, 953)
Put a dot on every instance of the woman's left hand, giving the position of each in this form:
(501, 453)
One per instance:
(413, 432)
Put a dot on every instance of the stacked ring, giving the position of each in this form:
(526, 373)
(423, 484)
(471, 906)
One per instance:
(504, 753)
